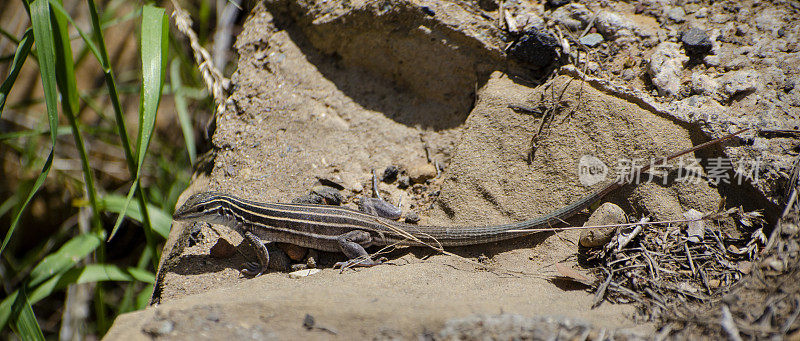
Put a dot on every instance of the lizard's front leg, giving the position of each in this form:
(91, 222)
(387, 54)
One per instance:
(280, 260)
(352, 245)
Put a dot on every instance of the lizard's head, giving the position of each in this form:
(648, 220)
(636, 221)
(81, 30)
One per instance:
(206, 206)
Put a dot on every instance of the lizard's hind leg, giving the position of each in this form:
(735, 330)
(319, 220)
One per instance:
(377, 206)
(352, 245)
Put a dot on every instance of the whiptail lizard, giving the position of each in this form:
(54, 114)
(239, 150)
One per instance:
(339, 229)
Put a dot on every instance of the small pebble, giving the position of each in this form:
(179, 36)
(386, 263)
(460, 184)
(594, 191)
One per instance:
(696, 41)
(213, 316)
(403, 182)
(295, 252)
(390, 174)
(592, 39)
(412, 218)
(303, 273)
(628, 75)
(330, 183)
(703, 84)
(607, 214)
(230, 171)
(421, 171)
(308, 322)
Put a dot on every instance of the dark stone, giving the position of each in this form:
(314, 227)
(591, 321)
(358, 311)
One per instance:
(330, 195)
(557, 3)
(412, 218)
(696, 41)
(539, 49)
(488, 5)
(330, 183)
(390, 174)
(428, 11)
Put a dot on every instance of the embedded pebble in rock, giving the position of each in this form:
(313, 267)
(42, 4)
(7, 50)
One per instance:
(607, 214)
(613, 25)
(628, 75)
(592, 67)
(666, 64)
(676, 14)
(592, 39)
(711, 60)
(739, 82)
(530, 19)
(696, 41)
(158, 327)
(573, 16)
(703, 84)
(421, 171)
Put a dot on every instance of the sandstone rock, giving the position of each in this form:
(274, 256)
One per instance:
(666, 65)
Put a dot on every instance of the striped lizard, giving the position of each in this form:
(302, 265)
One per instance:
(340, 229)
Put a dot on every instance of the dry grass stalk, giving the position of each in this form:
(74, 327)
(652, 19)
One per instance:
(214, 80)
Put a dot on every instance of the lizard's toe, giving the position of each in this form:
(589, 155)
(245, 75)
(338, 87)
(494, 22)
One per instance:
(252, 269)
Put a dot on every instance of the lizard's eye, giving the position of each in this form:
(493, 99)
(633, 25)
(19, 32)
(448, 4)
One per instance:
(201, 208)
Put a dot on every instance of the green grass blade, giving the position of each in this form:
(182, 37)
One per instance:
(92, 273)
(61, 12)
(120, 120)
(181, 107)
(65, 78)
(25, 324)
(144, 297)
(23, 48)
(154, 44)
(40, 17)
(116, 204)
(66, 257)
